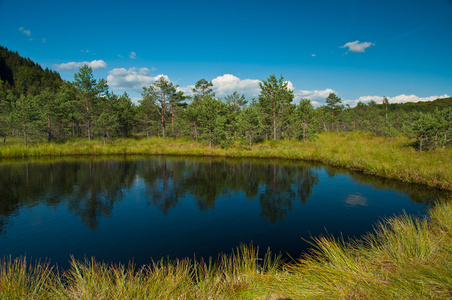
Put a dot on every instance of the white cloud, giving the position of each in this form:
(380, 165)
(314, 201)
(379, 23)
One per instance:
(313, 95)
(71, 66)
(397, 99)
(187, 89)
(313, 55)
(356, 46)
(132, 79)
(132, 55)
(227, 84)
(25, 31)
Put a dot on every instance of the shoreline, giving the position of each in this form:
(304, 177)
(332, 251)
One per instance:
(384, 157)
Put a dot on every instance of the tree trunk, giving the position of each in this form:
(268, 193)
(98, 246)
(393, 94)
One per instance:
(196, 132)
(274, 125)
(436, 140)
(304, 131)
(210, 138)
(445, 140)
(163, 125)
(49, 135)
(89, 131)
(25, 133)
(172, 123)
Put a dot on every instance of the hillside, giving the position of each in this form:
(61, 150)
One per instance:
(24, 76)
(424, 106)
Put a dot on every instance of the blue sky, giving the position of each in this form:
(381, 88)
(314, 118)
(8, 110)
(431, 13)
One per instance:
(361, 50)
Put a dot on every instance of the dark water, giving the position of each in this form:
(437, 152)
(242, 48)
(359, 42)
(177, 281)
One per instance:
(120, 209)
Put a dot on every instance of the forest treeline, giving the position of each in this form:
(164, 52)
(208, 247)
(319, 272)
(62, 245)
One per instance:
(36, 105)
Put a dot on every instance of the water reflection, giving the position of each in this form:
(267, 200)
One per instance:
(90, 188)
(356, 200)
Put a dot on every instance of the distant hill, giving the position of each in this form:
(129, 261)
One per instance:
(423, 105)
(23, 76)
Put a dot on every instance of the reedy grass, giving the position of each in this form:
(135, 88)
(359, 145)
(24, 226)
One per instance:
(405, 258)
(242, 275)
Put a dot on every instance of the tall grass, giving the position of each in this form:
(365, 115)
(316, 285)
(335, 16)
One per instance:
(404, 258)
(243, 275)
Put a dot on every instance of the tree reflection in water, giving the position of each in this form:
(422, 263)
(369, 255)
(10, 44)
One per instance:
(91, 187)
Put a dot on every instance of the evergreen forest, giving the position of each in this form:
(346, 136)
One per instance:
(36, 106)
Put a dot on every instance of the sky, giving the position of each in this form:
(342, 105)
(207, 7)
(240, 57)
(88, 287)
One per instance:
(361, 50)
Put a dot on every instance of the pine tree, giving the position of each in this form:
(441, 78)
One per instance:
(274, 97)
(250, 121)
(89, 91)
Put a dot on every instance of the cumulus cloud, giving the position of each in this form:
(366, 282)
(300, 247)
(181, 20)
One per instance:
(131, 79)
(25, 31)
(397, 99)
(187, 89)
(357, 47)
(227, 84)
(71, 66)
(313, 95)
(132, 55)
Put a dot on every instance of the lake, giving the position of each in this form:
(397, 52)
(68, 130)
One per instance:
(119, 209)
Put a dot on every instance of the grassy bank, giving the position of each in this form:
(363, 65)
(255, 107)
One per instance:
(391, 158)
(404, 258)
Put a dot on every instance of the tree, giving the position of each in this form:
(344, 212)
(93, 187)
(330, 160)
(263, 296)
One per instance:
(250, 121)
(108, 122)
(147, 112)
(211, 117)
(234, 105)
(274, 97)
(126, 114)
(89, 90)
(203, 88)
(175, 104)
(423, 128)
(51, 111)
(26, 116)
(333, 103)
(305, 116)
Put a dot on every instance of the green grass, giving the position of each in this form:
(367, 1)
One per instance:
(404, 258)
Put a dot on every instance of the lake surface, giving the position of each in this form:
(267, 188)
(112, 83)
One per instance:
(119, 209)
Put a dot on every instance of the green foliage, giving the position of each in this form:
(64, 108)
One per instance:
(274, 99)
(23, 76)
(89, 93)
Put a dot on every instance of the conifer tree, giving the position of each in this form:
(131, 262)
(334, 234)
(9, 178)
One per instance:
(275, 96)
(89, 91)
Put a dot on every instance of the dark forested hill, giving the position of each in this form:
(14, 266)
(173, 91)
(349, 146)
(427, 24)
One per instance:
(423, 106)
(23, 76)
